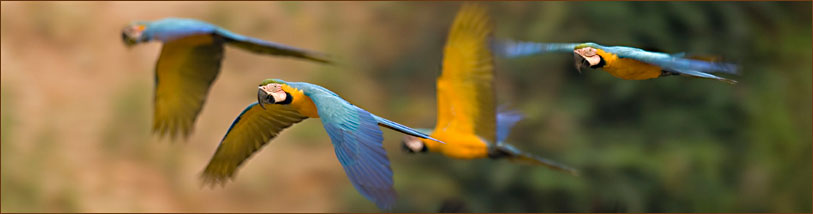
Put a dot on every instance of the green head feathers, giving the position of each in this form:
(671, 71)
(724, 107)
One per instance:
(584, 45)
(269, 81)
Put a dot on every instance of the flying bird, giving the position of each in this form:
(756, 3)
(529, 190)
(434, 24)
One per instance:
(354, 132)
(189, 63)
(468, 121)
(626, 62)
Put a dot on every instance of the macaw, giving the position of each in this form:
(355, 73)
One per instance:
(189, 63)
(626, 62)
(353, 131)
(468, 122)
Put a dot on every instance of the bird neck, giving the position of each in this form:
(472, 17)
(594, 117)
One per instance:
(606, 58)
(301, 102)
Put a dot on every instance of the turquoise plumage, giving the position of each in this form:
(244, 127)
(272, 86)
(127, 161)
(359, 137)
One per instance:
(357, 139)
(189, 63)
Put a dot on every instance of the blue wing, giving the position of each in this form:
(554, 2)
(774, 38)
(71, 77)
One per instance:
(184, 72)
(513, 49)
(506, 120)
(357, 141)
(169, 29)
(251, 130)
(265, 47)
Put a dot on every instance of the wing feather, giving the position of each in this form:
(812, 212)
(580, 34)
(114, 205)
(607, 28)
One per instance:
(251, 130)
(184, 72)
(357, 141)
(465, 88)
(513, 49)
(265, 47)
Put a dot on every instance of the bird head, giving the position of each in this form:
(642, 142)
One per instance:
(411, 144)
(134, 33)
(271, 92)
(586, 57)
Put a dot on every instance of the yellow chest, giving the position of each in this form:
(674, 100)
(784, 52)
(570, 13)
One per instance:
(458, 145)
(300, 102)
(628, 69)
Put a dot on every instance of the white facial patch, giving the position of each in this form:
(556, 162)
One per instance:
(275, 90)
(589, 54)
(134, 31)
(413, 143)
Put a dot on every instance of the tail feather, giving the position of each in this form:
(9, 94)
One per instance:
(403, 129)
(698, 74)
(516, 155)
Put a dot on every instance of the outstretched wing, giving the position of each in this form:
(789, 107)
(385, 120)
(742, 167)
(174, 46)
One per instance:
(671, 62)
(252, 129)
(265, 47)
(184, 72)
(513, 49)
(357, 141)
(465, 88)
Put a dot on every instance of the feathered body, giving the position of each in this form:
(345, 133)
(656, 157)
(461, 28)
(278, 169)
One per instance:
(355, 133)
(626, 62)
(468, 121)
(190, 62)
(628, 69)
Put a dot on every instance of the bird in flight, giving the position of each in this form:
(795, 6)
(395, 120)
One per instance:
(189, 62)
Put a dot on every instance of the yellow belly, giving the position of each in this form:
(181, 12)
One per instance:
(628, 69)
(458, 145)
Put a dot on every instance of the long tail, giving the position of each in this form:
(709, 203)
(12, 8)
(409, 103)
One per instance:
(514, 154)
(703, 75)
(403, 129)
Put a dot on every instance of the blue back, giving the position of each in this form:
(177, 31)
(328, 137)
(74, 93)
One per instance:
(169, 29)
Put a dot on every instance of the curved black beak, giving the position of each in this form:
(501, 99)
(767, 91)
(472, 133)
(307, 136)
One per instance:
(263, 98)
(580, 62)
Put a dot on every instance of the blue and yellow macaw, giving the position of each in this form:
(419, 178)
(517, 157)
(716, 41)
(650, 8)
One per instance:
(189, 63)
(354, 132)
(626, 62)
(468, 121)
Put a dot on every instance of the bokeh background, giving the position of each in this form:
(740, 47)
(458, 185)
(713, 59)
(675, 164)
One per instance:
(77, 105)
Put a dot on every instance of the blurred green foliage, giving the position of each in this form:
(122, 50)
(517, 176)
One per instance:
(666, 145)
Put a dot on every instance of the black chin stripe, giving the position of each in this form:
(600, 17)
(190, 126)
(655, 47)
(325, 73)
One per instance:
(288, 99)
(668, 73)
(600, 64)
